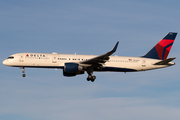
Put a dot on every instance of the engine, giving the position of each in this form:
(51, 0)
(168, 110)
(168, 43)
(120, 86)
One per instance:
(72, 69)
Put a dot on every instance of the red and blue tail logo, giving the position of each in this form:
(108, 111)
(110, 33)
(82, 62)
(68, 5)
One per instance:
(162, 48)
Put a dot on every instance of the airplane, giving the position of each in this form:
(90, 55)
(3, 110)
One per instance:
(73, 64)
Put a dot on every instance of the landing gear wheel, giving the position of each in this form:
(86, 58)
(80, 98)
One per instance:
(93, 78)
(88, 78)
(24, 75)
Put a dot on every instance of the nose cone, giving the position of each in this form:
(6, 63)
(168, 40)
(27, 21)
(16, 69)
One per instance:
(5, 62)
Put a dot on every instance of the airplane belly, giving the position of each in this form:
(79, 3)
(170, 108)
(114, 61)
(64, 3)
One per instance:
(120, 67)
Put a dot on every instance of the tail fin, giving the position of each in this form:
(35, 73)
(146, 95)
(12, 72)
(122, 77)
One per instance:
(162, 48)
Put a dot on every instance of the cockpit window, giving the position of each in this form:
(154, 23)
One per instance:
(11, 57)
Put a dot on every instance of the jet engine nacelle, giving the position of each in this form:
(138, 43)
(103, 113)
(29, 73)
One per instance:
(72, 69)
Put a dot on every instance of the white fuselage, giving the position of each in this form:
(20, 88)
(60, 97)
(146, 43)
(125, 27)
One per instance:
(73, 64)
(115, 63)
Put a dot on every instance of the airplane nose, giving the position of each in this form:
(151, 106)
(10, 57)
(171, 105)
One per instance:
(4, 62)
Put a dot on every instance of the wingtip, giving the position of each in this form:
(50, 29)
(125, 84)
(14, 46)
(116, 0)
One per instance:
(115, 47)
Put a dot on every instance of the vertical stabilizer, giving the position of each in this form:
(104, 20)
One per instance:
(162, 48)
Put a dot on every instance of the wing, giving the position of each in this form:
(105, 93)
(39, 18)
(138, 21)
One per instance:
(102, 58)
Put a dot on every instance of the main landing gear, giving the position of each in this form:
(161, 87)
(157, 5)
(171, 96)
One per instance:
(90, 77)
(23, 71)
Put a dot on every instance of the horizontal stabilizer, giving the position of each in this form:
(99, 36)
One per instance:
(164, 62)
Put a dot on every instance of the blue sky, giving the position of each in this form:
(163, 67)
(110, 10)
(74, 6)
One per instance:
(88, 27)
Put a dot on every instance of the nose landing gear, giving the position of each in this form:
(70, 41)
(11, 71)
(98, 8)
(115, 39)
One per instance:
(23, 71)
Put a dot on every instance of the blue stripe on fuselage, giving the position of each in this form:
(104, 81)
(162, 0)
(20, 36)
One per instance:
(114, 69)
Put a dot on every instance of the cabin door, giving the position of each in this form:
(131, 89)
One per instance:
(54, 59)
(143, 63)
(21, 58)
